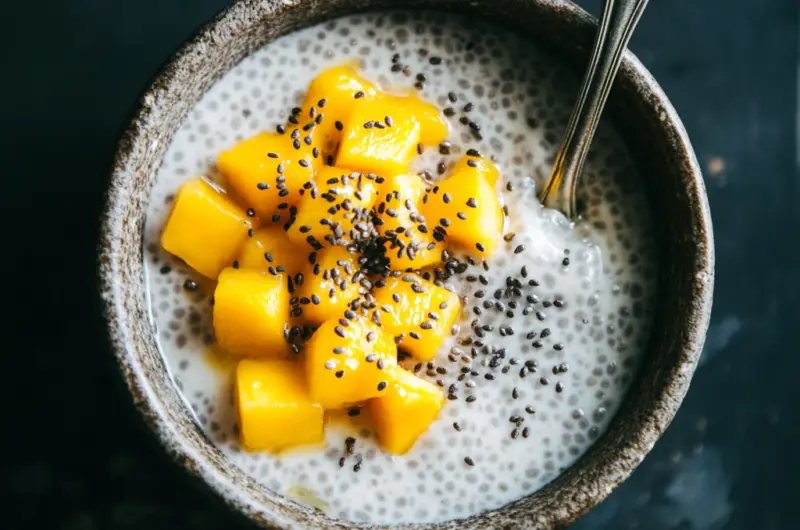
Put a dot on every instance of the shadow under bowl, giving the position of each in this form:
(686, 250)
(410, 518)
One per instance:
(653, 135)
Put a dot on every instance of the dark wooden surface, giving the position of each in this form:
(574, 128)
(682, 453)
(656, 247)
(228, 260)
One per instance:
(76, 457)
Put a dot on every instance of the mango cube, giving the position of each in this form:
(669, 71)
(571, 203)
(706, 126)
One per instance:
(408, 246)
(336, 88)
(475, 162)
(405, 412)
(434, 128)
(205, 228)
(273, 409)
(328, 285)
(380, 137)
(271, 247)
(349, 361)
(260, 168)
(399, 196)
(420, 312)
(405, 253)
(251, 311)
(469, 204)
(339, 203)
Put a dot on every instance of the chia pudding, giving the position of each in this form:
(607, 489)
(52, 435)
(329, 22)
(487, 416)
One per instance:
(553, 323)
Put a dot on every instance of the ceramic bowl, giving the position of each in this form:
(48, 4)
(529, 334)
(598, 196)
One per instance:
(653, 134)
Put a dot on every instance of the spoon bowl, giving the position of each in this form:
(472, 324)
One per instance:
(618, 21)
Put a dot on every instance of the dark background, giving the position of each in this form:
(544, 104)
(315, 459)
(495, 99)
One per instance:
(74, 456)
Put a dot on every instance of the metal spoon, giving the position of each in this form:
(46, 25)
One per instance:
(616, 27)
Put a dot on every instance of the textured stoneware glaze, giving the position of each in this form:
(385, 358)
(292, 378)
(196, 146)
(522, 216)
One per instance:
(643, 116)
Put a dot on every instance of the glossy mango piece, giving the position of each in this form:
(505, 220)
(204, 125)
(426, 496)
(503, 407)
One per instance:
(469, 205)
(410, 242)
(339, 203)
(273, 409)
(332, 94)
(371, 145)
(406, 253)
(251, 311)
(420, 313)
(328, 285)
(268, 171)
(269, 248)
(434, 128)
(205, 228)
(398, 196)
(349, 361)
(483, 166)
(405, 411)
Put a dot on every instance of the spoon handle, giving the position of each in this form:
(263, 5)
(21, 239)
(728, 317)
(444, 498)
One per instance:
(616, 26)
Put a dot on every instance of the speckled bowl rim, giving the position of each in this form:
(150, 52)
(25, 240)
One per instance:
(591, 482)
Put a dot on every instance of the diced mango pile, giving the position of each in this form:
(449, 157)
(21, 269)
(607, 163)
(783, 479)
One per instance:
(322, 226)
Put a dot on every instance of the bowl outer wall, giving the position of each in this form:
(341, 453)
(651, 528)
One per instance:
(654, 135)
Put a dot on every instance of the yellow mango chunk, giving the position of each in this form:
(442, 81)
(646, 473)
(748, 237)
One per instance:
(469, 205)
(328, 286)
(410, 242)
(205, 228)
(374, 144)
(434, 127)
(339, 202)
(251, 311)
(273, 409)
(405, 412)
(271, 247)
(333, 95)
(398, 194)
(483, 166)
(420, 312)
(260, 168)
(348, 364)
(405, 253)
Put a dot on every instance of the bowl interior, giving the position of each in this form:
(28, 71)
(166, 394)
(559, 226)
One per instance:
(654, 136)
